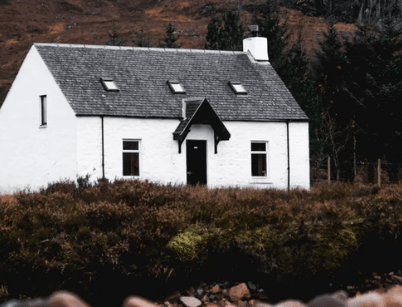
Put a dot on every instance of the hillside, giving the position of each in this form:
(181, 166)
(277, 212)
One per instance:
(23, 22)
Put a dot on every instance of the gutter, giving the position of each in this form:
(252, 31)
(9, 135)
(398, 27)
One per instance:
(103, 149)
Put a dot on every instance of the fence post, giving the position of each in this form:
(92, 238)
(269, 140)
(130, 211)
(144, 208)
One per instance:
(329, 169)
(379, 172)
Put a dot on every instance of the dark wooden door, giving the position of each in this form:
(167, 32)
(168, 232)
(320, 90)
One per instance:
(196, 162)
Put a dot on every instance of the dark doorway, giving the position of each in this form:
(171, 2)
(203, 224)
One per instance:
(196, 162)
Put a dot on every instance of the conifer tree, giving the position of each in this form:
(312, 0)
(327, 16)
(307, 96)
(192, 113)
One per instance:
(114, 35)
(141, 39)
(275, 31)
(225, 33)
(336, 129)
(170, 38)
(373, 88)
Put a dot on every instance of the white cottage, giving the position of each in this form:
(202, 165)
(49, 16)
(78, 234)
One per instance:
(166, 115)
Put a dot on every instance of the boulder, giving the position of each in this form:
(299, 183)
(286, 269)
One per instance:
(239, 292)
(190, 301)
(216, 289)
(292, 303)
(67, 299)
(326, 300)
(367, 300)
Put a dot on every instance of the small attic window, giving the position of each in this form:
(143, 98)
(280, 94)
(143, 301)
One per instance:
(176, 87)
(109, 84)
(238, 88)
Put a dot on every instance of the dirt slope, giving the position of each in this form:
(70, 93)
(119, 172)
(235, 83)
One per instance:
(23, 22)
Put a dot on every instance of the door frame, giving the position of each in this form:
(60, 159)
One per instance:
(205, 144)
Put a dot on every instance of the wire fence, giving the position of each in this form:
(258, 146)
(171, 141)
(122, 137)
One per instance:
(379, 172)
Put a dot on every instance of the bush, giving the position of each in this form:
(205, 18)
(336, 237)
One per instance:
(90, 237)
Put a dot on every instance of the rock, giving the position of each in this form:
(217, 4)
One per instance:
(222, 303)
(191, 292)
(174, 296)
(391, 273)
(225, 293)
(251, 286)
(212, 297)
(393, 297)
(211, 305)
(132, 301)
(397, 278)
(190, 301)
(292, 303)
(340, 295)
(327, 301)
(216, 289)
(205, 299)
(239, 292)
(66, 299)
(262, 295)
(167, 303)
(252, 303)
(367, 300)
(199, 293)
(241, 303)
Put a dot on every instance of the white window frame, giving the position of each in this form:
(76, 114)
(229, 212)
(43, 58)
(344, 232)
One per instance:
(238, 88)
(266, 177)
(131, 151)
(43, 111)
(109, 85)
(176, 87)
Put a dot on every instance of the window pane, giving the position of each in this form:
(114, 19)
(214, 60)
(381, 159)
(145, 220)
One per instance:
(177, 87)
(259, 165)
(131, 165)
(239, 88)
(258, 146)
(43, 106)
(130, 145)
(110, 85)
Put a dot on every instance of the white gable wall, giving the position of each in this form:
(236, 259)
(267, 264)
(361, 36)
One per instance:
(31, 155)
(161, 162)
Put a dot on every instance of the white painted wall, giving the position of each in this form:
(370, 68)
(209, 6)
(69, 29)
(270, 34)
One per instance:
(30, 155)
(161, 162)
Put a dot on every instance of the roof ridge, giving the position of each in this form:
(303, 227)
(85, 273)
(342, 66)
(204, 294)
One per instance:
(137, 48)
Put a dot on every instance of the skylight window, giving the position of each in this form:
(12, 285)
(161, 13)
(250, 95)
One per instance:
(109, 85)
(176, 87)
(238, 88)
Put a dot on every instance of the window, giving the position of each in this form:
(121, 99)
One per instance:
(131, 158)
(176, 87)
(109, 85)
(43, 110)
(238, 88)
(259, 159)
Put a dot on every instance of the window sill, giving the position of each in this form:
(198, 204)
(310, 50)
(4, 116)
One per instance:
(260, 180)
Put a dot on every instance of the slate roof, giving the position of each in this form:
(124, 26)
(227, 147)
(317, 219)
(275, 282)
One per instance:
(142, 74)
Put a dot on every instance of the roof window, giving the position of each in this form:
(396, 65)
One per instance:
(109, 84)
(176, 87)
(238, 88)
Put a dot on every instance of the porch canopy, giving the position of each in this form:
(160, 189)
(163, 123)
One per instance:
(199, 111)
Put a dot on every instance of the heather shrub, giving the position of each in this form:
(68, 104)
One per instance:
(88, 237)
